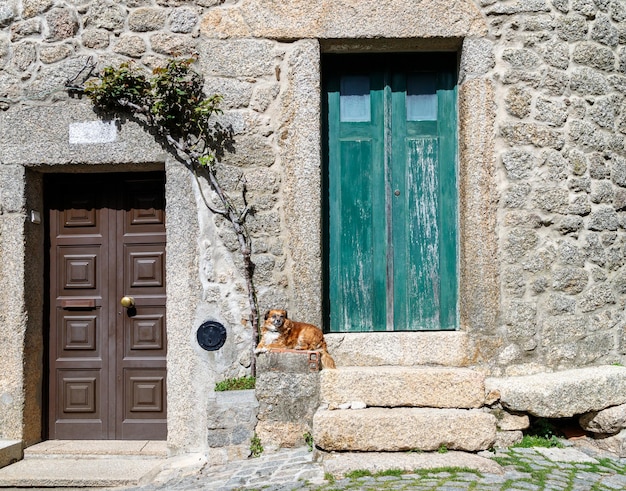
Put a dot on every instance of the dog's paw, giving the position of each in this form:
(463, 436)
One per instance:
(260, 350)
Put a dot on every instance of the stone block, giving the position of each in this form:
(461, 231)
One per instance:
(505, 439)
(612, 443)
(609, 421)
(281, 434)
(399, 348)
(10, 451)
(403, 429)
(287, 396)
(287, 388)
(12, 185)
(403, 386)
(332, 20)
(562, 394)
(50, 144)
(510, 422)
(232, 418)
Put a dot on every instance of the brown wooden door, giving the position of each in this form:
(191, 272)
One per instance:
(107, 372)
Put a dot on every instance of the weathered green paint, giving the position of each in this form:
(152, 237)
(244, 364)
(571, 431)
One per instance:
(392, 195)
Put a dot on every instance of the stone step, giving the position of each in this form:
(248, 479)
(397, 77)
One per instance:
(403, 429)
(86, 463)
(79, 473)
(393, 386)
(97, 449)
(439, 348)
(339, 464)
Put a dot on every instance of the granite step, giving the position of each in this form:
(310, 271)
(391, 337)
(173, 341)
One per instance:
(397, 386)
(402, 429)
(97, 449)
(85, 464)
(433, 348)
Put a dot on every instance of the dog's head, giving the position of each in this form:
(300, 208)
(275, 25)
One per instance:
(275, 319)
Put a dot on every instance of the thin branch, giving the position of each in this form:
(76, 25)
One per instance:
(88, 67)
(191, 145)
(205, 200)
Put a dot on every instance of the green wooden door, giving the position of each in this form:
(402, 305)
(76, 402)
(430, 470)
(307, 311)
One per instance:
(392, 192)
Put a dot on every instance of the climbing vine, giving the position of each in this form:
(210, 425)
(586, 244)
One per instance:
(172, 105)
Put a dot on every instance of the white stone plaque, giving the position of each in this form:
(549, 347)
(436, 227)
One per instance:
(93, 132)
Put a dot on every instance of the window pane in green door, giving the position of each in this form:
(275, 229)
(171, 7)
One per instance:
(354, 99)
(421, 97)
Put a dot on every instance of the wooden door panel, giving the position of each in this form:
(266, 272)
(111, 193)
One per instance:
(356, 255)
(78, 267)
(78, 335)
(78, 340)
(143, 199)
(145, 407)
(107, 364)
(79, 393)
(145, 333)
(415, 238)
(78, 406)
(145, 393)
(142, 348)
(144, 268)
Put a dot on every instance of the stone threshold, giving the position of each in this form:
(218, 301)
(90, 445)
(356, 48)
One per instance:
(86, 463)
(98, 449)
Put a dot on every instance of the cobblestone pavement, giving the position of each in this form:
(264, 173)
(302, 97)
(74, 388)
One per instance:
(525, 469)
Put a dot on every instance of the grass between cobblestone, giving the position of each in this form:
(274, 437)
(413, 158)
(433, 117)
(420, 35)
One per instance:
(534, 475)
(539, 477)
(531, 472)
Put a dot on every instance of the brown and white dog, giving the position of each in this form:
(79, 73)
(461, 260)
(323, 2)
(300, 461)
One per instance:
(278, 331)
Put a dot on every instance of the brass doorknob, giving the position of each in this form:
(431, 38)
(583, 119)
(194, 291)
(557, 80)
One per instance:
(127, 302)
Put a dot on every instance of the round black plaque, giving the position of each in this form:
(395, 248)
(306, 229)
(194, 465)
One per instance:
(211, 335)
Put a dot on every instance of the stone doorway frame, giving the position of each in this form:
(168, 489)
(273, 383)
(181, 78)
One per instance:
(22, 247)
(302, 154)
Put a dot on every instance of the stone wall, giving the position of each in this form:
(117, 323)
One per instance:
(231, 423)
(288, 391)
(560, 80)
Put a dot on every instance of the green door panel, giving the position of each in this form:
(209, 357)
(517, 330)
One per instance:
(415, 239)
(392, 198)
(355, 255)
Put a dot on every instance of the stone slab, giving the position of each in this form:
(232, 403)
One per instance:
(608, 421)
(569, 455)
(403, 387)
(96, 449)
(328, 19)
(562, 394)
(400, 348)
(237, 398)
(79, 473)
(10, 451)
(403, 429)
(340, 464)
(612, 443)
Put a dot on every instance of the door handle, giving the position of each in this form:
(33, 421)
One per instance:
(127, 302)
